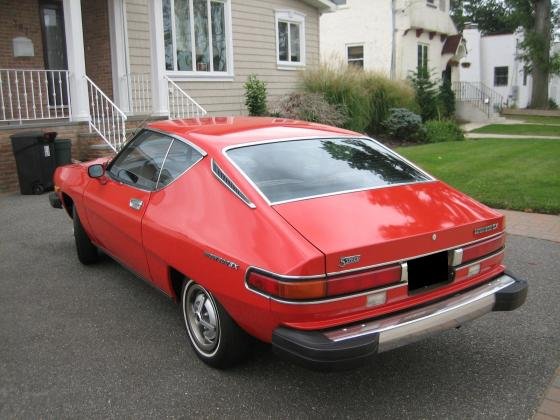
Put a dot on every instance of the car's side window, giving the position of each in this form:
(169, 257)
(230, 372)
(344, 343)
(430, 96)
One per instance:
(180, 157)
(140, 163)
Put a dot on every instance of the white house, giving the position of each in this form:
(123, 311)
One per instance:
(392, 36)
(493, 60)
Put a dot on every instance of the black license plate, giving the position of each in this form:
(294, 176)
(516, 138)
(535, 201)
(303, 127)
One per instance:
(427, 272)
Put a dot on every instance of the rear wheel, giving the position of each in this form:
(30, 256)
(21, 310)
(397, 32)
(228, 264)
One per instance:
(213, 335)
(87, 251)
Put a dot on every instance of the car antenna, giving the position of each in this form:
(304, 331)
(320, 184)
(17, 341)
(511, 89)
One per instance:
(139, 127)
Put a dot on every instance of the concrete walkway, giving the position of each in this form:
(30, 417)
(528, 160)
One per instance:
(539, 226)
(533, 225)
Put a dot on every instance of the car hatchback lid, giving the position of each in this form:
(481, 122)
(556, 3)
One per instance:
(395, 223)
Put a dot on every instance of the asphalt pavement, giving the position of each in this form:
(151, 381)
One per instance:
(96, 342)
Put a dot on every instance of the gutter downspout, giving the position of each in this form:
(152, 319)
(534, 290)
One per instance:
(393, 40)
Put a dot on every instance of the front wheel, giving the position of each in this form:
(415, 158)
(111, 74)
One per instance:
(87, 251)
(214, 336)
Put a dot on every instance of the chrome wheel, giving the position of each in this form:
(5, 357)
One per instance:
(201, 318)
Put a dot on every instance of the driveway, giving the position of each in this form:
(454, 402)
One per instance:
(98, 342)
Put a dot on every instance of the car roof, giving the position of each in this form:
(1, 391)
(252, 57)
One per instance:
(217, 133)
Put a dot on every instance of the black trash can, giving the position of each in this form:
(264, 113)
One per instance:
(62, 152)
(35, 161)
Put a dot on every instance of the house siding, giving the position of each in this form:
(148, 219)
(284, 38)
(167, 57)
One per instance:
(254, 51)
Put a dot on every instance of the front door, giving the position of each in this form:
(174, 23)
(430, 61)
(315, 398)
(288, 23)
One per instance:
(116, 204)
(54, 51)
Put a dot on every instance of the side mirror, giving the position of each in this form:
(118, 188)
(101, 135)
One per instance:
(96, 171)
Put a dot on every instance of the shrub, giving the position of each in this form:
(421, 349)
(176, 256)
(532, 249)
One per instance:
(404, 125)
(426, 94)
(255, 96)
(365, 96)
(446, 99)
(311, 107)
(443, 130)
(552, 104)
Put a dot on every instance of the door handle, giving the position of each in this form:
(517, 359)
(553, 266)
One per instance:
(136, 203)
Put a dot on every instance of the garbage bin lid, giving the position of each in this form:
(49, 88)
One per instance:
(47, 135)
(26, 135)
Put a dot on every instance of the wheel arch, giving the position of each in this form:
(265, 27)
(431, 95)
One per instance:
(68, 204)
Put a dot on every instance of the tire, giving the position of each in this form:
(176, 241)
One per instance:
(213, 335)
(86, 250)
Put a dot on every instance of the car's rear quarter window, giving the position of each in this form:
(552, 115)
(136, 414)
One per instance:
(291, 170)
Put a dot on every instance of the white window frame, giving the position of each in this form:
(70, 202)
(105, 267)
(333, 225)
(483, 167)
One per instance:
(194, 75)
(426, 48)
(348, 60)
(290, 16)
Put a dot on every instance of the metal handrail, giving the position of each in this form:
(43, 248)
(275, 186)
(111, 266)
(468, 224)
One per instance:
(139, 87)
(181, 104)
(106, 118)
(34, 94)
(482, 96)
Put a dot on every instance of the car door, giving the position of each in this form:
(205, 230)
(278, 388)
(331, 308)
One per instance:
(116, 203)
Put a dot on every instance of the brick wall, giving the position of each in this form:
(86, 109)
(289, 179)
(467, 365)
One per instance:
(20, 18)
(97, 45)
(8, 170)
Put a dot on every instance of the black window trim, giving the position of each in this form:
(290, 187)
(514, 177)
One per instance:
(172, 136)
(339, 136)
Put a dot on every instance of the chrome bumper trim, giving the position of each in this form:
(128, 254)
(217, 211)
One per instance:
(410, 326)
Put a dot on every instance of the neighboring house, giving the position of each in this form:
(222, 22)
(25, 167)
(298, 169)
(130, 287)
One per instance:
(554, 85)
(73, 65)
(493, 60)
(394, 37)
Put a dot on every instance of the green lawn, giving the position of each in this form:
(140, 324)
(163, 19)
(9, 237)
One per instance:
(508, 174)
(535, 119)
(521, 129)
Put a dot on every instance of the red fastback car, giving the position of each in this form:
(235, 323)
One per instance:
(318, 240)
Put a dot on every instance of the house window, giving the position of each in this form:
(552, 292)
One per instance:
(355, 54)
(290, 39)
(501, 76)
(422, 57)
(431, 3)
(442, 5)
(197, 36)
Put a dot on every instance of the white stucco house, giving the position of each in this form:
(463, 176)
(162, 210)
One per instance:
(393, 36)
(494, 61)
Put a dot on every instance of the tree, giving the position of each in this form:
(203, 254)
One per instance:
(535, 48)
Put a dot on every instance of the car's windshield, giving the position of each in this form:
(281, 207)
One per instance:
(291, 170)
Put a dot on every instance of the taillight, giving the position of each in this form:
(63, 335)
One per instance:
(472, 252)
(324, 287)
(475, 251)
(363, 281)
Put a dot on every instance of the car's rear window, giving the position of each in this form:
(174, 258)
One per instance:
(291, 170)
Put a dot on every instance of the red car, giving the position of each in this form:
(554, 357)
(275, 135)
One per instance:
(318, 240)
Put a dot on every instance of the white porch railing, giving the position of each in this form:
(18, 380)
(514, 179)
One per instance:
(34, 95)
(139, 87)
(181, 105)
(106, 119)
(484, 98)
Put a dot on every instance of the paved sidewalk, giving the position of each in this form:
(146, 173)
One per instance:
(540, 226)
(508, 136)
(533, 225)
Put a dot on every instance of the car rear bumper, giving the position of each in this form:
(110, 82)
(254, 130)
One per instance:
(351, 345)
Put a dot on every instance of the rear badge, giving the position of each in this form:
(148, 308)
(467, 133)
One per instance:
(344, 261)
(434, 237)
(221, 260)
(484, 229)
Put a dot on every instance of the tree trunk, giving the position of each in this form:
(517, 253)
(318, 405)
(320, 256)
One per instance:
(539, 95)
